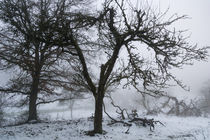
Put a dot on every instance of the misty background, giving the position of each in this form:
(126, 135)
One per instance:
(194, 76)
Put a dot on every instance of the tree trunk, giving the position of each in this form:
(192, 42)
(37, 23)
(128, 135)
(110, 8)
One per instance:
(177, 108)
(98, 114)
(32, 100)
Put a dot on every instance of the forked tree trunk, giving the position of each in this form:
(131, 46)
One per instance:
(32, 100)
(98, 114)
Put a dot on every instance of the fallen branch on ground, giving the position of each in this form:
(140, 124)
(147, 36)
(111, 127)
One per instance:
(137, 120)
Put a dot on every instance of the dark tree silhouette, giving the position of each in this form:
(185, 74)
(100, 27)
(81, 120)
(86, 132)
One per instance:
(205, 98)
(2, 102)
(124, 35)
(30, 42)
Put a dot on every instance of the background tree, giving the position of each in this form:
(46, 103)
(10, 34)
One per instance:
(205, 98)
(139, 46)
(30, 42)
(170, 105)
(71, 97)
(2, 103)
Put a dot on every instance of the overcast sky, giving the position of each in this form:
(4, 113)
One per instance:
(199, 28)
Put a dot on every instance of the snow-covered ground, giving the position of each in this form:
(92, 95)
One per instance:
(175, 129)
(60, 126)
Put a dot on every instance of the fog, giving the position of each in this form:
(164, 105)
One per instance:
(198, 27)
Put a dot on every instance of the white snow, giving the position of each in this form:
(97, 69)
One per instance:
(60, 126)
(175, 129)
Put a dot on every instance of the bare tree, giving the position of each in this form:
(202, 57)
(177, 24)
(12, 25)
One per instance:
(205, 98)
(71, 97)
(135, 32)
(1, 109)
(30, 42)
(170, 105)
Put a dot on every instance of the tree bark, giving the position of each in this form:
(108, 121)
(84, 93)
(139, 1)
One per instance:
(33, 99)
(98, 113)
